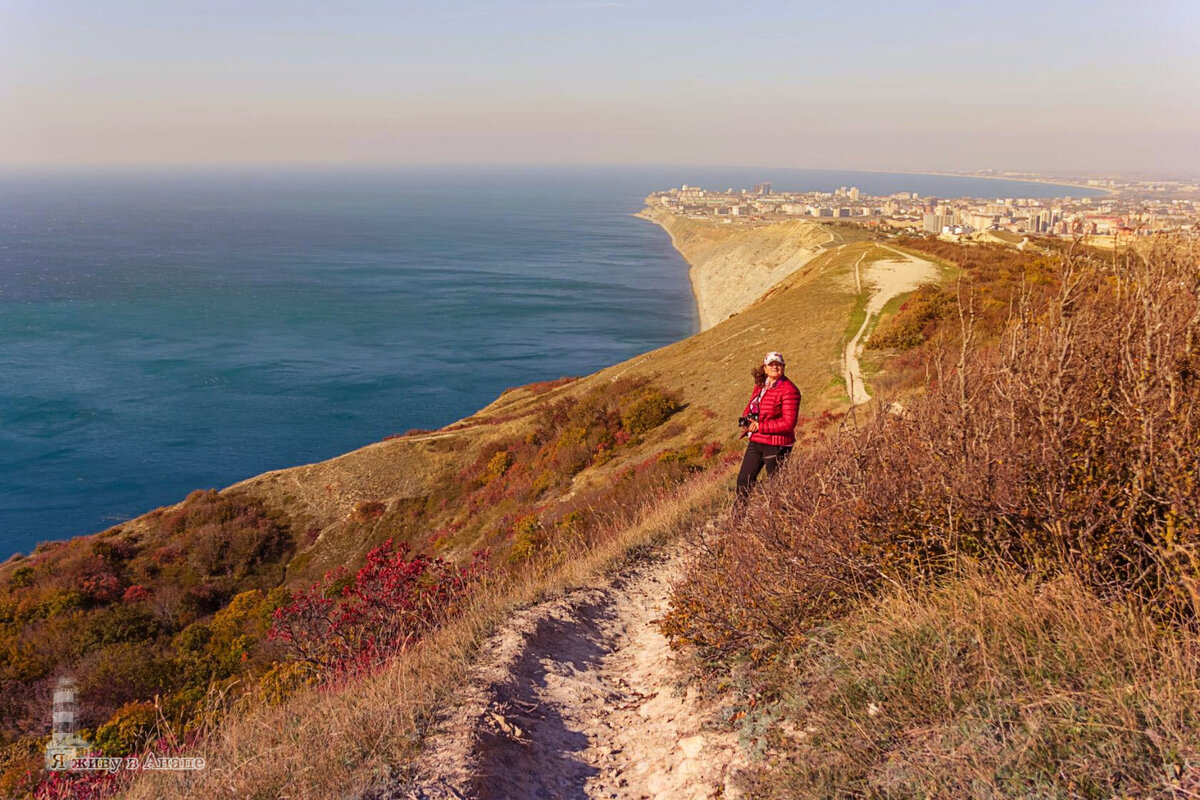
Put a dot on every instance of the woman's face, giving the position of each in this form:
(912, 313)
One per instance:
(774, 371)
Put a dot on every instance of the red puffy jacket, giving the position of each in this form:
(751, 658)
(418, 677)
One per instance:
(776, 414)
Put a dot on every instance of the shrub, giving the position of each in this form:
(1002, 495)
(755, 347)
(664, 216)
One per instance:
(121, 673)
(227, 536)
(528, 537)
(21, 577)
(101, 587)
(545, 386)
(128, 729)
(1069, 446)
(114, 551)
(368, 510)
(649, 410)
(541, 483)
(497, 466)
(391, 603)
(118, 623)
(986, 687)
(284, 679)
(913, 324)
(60, 601)
(78, 785)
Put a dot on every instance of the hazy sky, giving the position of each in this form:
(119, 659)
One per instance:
(842, 83)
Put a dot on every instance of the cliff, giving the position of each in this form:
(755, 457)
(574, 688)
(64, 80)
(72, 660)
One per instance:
(734, 265)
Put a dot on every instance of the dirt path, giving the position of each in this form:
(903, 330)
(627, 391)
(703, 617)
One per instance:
(886, 279)
(579, 698)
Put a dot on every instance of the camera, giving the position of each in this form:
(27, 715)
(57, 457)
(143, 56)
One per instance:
(744, 422)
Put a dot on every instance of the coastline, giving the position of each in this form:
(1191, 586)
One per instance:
(726, 275)
(929, 173)
(711, 269)
(1039, 181)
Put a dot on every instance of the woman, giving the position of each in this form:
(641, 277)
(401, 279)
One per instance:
(770, 419)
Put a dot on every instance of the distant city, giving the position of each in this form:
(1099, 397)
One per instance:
(1132, 208)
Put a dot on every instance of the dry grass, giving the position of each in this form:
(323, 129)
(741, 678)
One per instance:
(992, 686)
(1068, 445)
(1060, 457)
(344, 740)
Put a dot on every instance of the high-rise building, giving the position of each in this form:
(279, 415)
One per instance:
(934, 223)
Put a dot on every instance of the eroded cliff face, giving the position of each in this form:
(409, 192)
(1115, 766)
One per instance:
(734, 265)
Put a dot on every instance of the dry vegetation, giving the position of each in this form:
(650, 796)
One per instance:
(165, 620)
(171, 624)
(362, 733)
(990, 686)
(994, 593)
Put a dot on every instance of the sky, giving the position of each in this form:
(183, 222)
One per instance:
(1054, 85)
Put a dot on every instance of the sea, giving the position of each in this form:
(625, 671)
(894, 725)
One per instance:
(168, 330)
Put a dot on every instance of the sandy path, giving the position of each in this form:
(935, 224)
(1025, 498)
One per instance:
(578, 698)
(858, 272)
(886, 279)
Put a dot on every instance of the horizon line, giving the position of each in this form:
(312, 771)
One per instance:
(1022, 176)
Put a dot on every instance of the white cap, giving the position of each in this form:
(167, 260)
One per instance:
(773, 356)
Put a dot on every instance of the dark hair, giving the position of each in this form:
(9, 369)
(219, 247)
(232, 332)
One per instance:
(760, 374)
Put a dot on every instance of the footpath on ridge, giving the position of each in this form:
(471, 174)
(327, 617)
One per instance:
(887, 279)
(580, 697)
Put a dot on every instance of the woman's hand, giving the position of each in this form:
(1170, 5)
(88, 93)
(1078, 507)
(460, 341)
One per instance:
(752, 427)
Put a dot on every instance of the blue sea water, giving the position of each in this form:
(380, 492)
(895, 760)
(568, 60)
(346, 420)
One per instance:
(166, 331)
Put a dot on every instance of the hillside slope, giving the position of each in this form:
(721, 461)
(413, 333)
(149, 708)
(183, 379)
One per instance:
(549, 478)
(804, 316)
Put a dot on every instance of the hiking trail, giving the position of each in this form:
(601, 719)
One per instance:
(579, 697)
(885, 279)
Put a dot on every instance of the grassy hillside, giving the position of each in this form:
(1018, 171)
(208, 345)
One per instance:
(171, 621)
(322, 614)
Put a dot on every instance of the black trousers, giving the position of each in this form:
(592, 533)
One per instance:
(759, 456)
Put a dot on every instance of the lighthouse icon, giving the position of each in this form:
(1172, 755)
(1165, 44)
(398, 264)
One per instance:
(65, 744)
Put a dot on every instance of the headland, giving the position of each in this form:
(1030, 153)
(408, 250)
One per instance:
(731, 267)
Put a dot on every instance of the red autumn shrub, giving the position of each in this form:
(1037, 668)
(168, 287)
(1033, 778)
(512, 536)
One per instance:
(545, 386)
(101, 587)
(345, 625)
